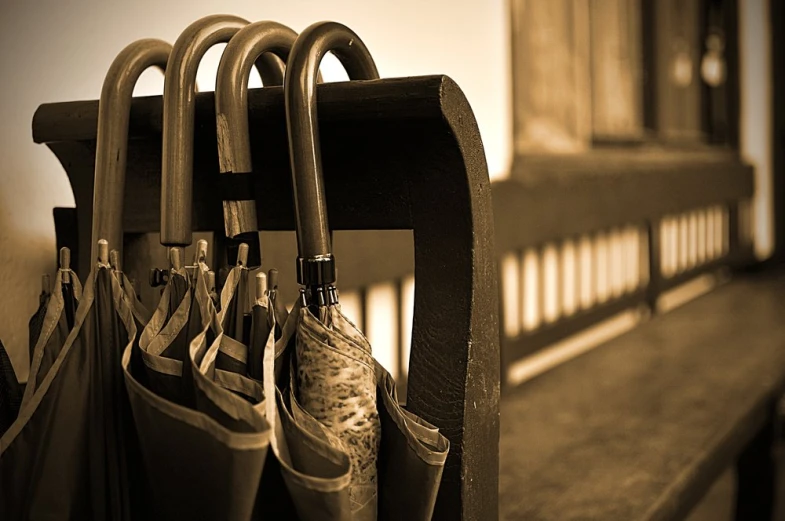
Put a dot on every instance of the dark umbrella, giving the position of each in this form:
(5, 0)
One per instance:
(36, 322)
(337, 379)
(67, 453)
(177, 184)
(164, 342)
(231, 106)
(235, 316)
(56, 325)
(204, 449)
(10, 391)
(241, 317)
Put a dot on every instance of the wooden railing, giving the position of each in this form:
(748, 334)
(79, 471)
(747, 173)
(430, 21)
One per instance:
(579, 240)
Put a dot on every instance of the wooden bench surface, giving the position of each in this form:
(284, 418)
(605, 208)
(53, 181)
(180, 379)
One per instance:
(639, 428)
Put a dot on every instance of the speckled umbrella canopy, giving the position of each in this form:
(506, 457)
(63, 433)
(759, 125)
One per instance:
(336, 380)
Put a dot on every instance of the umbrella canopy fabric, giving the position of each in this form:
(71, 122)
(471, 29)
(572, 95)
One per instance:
(54, 330)
(65, 456)
(411, 454)
(164, 341)
(10, 391)
(205, 463)
(313, 464)
(336, 384)
(236, 319)
(36, 322)
(411, 457)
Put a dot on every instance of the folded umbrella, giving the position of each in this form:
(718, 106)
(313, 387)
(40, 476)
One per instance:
(64, 457)
(235, 316)
(240, 316)
(71, 452)
(204, 450)
(337, 380)
(36, 321)
(58, 320)
(10, 391)
(257, 40)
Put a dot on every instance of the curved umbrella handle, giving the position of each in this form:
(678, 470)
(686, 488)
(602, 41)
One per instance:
(231, 109)
(114, 110)
(315, 263)
(179, 115)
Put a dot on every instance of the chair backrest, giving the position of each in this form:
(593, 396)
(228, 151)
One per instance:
(397, 154)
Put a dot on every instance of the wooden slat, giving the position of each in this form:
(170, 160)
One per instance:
(549, 197)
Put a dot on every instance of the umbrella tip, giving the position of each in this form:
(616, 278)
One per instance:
(272, 278)
(261, 285)
(176, 258)
(211, 280)
(114, 260)
(65, 264)
(242, 254)
(201, 252)
(103, 251)
(65, 258)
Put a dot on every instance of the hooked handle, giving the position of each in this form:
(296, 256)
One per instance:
(179, 119)
(315, 265)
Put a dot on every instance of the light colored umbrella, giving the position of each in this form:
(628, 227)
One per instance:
(337, 380)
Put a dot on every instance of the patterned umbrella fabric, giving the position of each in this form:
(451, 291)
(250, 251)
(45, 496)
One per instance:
(396, 458)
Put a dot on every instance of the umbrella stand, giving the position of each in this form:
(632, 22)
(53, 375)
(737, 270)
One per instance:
(422, 140)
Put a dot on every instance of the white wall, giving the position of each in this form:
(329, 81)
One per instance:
(59, 51)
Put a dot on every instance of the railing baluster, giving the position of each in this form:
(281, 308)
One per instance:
(549, 263)
(684, 245)
(569, 279)
(532, 290)
(601, 267)
(586, 272)
(692, 257)
(512, 291)
(701, 236)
